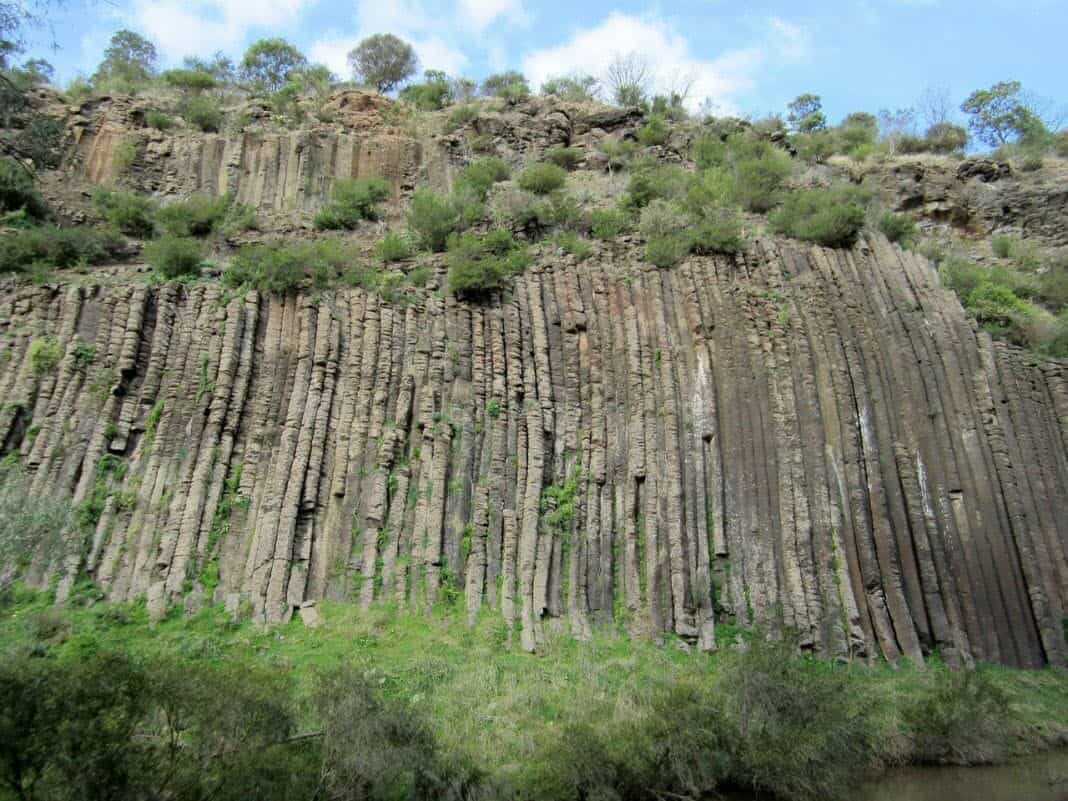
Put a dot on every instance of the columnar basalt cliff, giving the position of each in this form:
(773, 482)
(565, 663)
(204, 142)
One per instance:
(800, 438)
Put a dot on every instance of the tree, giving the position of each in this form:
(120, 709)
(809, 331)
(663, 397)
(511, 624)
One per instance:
(1003, 113)
(510, 85)
(219, 66)
(192, 81)
(896, 125)
(267, 63)
(935, 106)
(628, 79)
(129, 60)
(806, 113)
(435, 92)
(383, 61)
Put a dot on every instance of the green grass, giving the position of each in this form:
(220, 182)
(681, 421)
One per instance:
(489, 701)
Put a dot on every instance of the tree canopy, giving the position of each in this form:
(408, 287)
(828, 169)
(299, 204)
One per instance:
(383, 61)
(267, 63)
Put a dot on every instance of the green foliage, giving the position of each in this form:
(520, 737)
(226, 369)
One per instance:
(131, 213)
(393, 247)
(667, 251)
(56, 247)
(462, 115)
(573, 88)
(194, 81)
(432, 217)
(957, 718)
(541, 178)
(565, 157)
(607, 224)
(739, 169)
(202, 112)
(480, 176)
(945, 137)
(654, 131)
(806, 114)
(651, 181)
(619, 152)
(899, 228)
(175, 256)
(129, 63)
(479, 266)
(267, 64)
(44, 354)
(17, 192)
(197, 215)
(716, 230)
(575, 245)
(830, 217)
(352, 200)
(435, 92)
(158, 120)
(1000, 114)
(383, 61)
(84, 354)
(510, 86)
(281, 267)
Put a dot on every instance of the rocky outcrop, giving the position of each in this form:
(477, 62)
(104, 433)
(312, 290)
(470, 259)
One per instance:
(802, 439)
(978, 196)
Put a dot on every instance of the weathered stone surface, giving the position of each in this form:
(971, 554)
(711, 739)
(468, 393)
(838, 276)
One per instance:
(797, 438)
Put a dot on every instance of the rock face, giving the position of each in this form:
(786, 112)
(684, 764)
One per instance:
(799, 438)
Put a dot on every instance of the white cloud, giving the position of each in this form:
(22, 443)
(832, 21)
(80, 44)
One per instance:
(719, 80)
(480, 14)
(186, 27)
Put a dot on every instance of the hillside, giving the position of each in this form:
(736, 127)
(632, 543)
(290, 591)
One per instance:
(788, 436)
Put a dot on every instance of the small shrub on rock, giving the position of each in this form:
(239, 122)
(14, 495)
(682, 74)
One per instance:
(945, 137)
(175, 256)
(197, 215)
(432, 217)
(718, 231)
(830, 217)
(45, 354)
(158, 120)
(542, 178)
(202, 112)
(352, 200)
(394, 247)
(565, 157)
(479, 266)
(667, 251)
(133, 214)
(653, 132)
(481, 175)
(899, 228)
(607, 224)
(56, 247)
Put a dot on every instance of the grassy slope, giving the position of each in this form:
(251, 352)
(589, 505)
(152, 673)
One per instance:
(494, 703)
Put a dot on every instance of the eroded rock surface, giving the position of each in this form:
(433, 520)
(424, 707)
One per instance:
(799, 438)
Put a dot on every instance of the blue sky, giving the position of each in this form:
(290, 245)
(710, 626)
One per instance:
(747, 57)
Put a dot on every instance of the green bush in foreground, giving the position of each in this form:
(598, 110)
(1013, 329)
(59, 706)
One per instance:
(393, 247)
(175, 256)
(197, 215)
(158, 120)
(480, 176)
(352, 200)
(565, 157)
(899, 228)
(830, 217)
(131, 213)
(202, 112)
(542, 178)
(607, 224)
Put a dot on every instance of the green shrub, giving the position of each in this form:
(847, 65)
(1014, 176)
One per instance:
(541, 178)
(203, 112)
(197, 215)
(815, 147)
(432, 217)
(482, 143)
(239, 217)
(619, 152)
(461, 116)
(158, 120)
(56, 247)
(175, 256)
(131, 213)
(566, 158)
(479, 266)
(1053, 284)
(480, 176)
(661, 218)
(393, 247)
(649, 181)
(998, 307)
(281, 267)
(17, 192)
(667, 251)
(830, 217)
(717, 231)
(608, 223)
(1001, 246)
(958, 717)
(739, 169)
(654, 131)
(352, 200)
(434, 93)
(899, 228)
(757, 182)
(45, 354)
(575, 245)
(945, 137)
